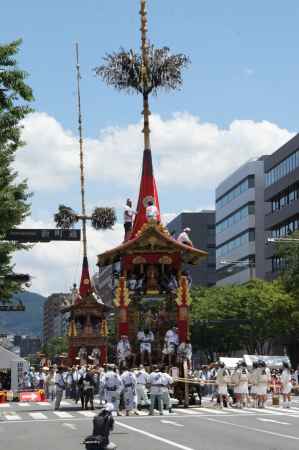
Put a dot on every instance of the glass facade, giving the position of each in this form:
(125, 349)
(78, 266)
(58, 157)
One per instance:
(235, 192)
(229, 247)
(283, 168)
(285, 197)
(286, 228)
(235, 218)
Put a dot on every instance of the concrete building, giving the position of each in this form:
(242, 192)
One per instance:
(240, 211)
(53, 321)
(282, 199)
(29, 345)
(202, 226)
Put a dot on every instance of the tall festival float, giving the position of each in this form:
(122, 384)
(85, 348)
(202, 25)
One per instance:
(149, 251)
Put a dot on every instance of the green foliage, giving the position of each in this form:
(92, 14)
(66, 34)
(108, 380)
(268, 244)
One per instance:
(15, 96)
(55, 347)
(289, 252)
(270, 311)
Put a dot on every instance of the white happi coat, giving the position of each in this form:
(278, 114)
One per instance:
(286, 381)
(145, 341)
(129, 390)
(123, 350)
(222, 378)
(171, 342)
(112, 388)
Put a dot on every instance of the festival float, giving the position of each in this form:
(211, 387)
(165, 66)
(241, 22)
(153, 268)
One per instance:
(149, 253)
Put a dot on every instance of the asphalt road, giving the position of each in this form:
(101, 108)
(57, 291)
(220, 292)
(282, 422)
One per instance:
(38, 427)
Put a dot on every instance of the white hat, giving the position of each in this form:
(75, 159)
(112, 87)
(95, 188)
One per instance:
(187, 230)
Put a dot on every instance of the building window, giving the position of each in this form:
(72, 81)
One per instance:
(235, 218)
(283, 168)
(286, 228)
(278, 264)
(235, 192)
(285, 198)
(229, 247)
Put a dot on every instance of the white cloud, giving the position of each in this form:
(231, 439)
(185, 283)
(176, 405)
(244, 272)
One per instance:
(55, 266)
(188, 153)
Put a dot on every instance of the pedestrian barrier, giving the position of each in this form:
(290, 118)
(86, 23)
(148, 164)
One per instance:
(37, 395)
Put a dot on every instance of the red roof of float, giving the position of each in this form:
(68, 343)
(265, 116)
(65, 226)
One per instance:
(148, 191)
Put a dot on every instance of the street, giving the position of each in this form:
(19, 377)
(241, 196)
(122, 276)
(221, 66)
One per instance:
(37, 427)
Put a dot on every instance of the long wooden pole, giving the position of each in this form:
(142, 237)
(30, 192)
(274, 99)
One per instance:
(144, 74)
(82, 179)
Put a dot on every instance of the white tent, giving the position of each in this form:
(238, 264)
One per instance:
(17, 365)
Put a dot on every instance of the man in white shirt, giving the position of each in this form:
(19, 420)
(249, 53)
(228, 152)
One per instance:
(129, 214)
(123, 351)
(59, 387)
(171, 342)
(129, 390)
(145, 338)
(112, 387)
(142, 379)
(151, 212)
(156, 383)
(167, 381)
(184, 238)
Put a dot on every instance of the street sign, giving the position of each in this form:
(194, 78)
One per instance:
(42, 235)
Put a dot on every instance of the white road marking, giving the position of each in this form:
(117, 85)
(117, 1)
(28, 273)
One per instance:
(274, 421)
(63, 414)
(190, 411)
(170, 422)
(282, 410)
(70, 425)
(154, 436)
(23, 404)
(42, 403)
(212, 411)
(258, 430)
(4, 405)
(12, 417)
(64, 403)
(38, 415)
(238, 411)
(267, 411)
(87, 413)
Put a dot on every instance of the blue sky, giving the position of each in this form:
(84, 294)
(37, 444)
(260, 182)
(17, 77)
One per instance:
(239, 99)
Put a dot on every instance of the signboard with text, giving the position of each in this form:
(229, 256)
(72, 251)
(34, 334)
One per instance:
(42, 235)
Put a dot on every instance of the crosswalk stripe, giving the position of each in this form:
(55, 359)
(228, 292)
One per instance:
(38, 416)
(212, 411)
(12, 417)
(63, 414)
(65, 403)
(23, 404)
(239, 411)
(188, 411)
(43, 403)
(268, 411)
(87, 413)
(283, 410)
(4, 405)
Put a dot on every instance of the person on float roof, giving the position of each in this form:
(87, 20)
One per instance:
(184, 238)
(151, 212)
(129, 214)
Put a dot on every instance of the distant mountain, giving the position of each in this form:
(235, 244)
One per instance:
(30, 321)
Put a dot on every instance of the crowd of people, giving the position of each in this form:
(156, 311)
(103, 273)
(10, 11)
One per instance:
(243, 386)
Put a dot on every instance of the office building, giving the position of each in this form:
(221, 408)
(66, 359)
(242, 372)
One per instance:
(240, 211)
(29, 345)
(202, 226)
(53, 320)
(282, 199)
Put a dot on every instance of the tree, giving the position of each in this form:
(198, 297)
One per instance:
(55, 347)
(15, 96)
(288, 251)
(218, 316)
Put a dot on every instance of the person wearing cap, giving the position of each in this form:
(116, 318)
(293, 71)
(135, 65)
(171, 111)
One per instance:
(151, 212)
(129, 215)
(142, 379)
(112, 387)
(156, 384)
(123, 351)
(184, 238)
(129, 390)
